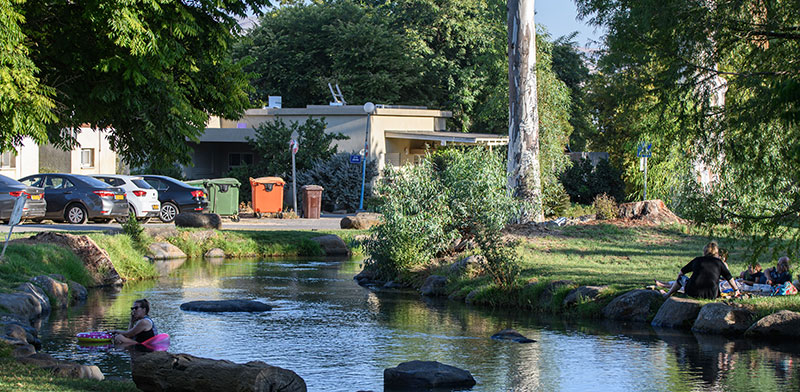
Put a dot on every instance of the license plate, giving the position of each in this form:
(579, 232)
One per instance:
(119, 197)
(155, 206)
(36, 197)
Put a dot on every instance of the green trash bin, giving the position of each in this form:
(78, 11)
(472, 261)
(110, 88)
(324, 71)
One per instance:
(222, 194)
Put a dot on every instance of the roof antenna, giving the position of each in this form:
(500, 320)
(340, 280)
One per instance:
(338, 98)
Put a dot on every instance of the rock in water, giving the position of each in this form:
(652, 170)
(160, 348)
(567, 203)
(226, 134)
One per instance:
(426, 374)
(232, 305)
(512, 335)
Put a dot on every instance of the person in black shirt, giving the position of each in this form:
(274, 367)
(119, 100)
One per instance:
(140, 328)
(706, 272)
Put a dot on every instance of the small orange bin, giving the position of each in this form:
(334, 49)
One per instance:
(267, 195)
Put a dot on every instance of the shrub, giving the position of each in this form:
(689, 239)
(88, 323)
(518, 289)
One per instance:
(243, 174)
(605, 207)
(341, 180)
(451, 197)
(583, 182)
(133, 228)
(555, 197)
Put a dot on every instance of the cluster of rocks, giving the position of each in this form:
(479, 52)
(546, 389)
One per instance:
(26, 306)
(361, 221)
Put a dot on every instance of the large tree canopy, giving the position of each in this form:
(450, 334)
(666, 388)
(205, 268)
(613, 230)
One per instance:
(714, 82)
(153, 70)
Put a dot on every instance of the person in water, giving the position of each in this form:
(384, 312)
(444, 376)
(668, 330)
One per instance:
(706, 273)
(141, 326)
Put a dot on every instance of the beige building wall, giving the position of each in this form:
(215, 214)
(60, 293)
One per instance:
(93, 142)
(22, 162)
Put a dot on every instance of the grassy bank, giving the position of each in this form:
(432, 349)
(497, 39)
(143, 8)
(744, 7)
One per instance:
(622, 258)
(25, 261)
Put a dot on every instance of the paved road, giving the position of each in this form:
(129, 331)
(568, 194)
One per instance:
(326, 222)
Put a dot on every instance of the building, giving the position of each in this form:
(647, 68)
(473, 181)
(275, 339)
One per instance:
(397, 135)
(93, 155)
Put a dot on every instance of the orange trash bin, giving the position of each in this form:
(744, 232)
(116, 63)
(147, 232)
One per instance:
(267, 195)
(312, 201)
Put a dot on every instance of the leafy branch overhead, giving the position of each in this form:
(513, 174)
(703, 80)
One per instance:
(153, 70)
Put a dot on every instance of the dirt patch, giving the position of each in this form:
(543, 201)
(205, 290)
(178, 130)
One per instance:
(96, 259)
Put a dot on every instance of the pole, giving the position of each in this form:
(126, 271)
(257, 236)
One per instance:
(364, 164)
(294, 182)
(645, 178)
(3, 255)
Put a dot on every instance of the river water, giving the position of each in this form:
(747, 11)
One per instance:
(339, 336)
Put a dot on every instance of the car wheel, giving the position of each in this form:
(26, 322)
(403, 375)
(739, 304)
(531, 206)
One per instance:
(168, 212)
(123, 219)
(75, 214)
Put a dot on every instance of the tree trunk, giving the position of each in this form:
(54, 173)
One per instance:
(524, 178)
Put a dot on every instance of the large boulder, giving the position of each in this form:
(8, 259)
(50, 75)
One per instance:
(164, 251)
(784, 323)
(434, 286)
(59, 291)
(214, 253)
(95, 258)
(512, 335)
(63, 368)
(471, 265)
(195, 219)
(161, 233)
(231, 305)
(677, 313)
(426, 374)
(332, 245)
(77, 292)
(650, 211)
(583, 293)
(720, 318)
(361, 221)
(36, 291)
(24, 304)
(632, 306)
(161, 371)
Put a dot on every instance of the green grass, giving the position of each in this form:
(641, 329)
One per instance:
(23, 262)
(126, 255)
(15, 376)
(624, 258)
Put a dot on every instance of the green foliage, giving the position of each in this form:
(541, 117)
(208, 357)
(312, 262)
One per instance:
(135, 230)
(127, 256)
(703, 94)
(583, 182)
(170, 170)
(152, 71)
(605, 207)
(555, 197)
(243, 174)
(570, 65)
(503, 261)
(341, 181)
(450, 197)
(20, 377)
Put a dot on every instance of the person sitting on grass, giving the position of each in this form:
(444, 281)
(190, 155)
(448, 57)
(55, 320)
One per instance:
(140, 328)
(779, 274)
(753, 274)
(706, 273)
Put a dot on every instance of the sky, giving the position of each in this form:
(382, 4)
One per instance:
(560, 17)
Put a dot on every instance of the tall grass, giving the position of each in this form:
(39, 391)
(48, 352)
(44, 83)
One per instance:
(23, 261)
(126, 255)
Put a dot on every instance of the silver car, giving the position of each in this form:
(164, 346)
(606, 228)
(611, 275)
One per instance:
(10, 189)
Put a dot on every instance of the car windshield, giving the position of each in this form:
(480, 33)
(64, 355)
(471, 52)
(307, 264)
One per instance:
(91, 181)
(141, 183)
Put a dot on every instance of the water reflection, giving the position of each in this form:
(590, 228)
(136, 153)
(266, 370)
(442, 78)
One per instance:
(339, 336)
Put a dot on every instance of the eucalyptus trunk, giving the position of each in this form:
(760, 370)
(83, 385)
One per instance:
(524, 178)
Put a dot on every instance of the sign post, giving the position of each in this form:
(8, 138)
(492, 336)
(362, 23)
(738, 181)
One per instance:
(16, 217)
(643, 151)
(294, 146)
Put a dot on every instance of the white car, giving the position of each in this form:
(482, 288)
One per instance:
(142, 198)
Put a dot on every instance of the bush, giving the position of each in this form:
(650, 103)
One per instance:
(555, 197)
(243, 174)
(605, 207)
(450, 198)
(583, 182)
(341, 180)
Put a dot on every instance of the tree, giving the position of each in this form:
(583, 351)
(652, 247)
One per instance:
(524, 178)
(150, 70)
(569, 63)
(678, 60)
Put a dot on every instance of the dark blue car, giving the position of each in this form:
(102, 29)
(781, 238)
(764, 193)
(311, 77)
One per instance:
(176, 196)
(76, 198)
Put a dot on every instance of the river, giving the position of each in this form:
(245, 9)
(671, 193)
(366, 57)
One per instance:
(339, 336)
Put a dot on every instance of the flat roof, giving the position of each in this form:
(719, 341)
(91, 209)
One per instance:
(349, 110)
(450, 137)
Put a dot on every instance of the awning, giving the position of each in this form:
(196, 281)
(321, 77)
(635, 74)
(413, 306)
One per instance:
(450, 137)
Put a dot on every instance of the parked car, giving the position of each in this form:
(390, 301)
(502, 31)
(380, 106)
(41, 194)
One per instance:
(76, 198)
(142, 198)
(176, 197)
(11, 189)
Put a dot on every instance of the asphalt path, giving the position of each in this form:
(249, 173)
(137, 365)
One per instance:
(326, 222)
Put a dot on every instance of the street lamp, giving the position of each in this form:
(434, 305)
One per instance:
(369, 108)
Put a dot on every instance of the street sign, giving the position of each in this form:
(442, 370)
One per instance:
(643, 149)
(294, 145)
(16, 213)
(355, 158)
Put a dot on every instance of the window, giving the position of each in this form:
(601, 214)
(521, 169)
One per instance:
(236, 159)
(87, 157)
(8, 160)
(31, 181)
(57, 183)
